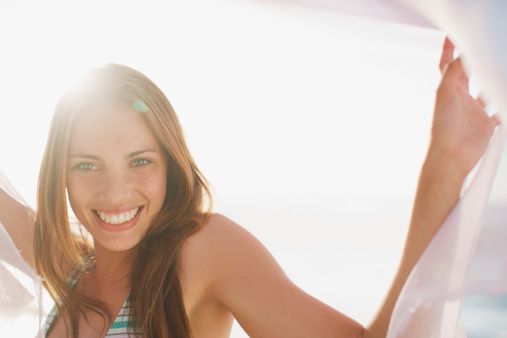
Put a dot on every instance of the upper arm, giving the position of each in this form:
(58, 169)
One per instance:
(19, 222)
(248, 281)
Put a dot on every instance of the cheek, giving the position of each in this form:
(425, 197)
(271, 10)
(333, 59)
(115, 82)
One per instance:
(155, 186)
(79, 188)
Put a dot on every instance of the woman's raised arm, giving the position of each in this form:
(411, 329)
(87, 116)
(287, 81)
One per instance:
(460, 134)
(18, 220)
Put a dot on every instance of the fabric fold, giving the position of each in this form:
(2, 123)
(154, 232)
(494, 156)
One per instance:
(20, 287)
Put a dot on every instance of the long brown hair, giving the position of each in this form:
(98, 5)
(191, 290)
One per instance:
(156, 294)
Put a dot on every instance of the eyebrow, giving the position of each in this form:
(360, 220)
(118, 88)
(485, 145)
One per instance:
(129, 155)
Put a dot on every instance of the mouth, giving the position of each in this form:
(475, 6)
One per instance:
(118, 220)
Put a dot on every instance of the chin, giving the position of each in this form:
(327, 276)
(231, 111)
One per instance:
(117, 246)
(116, 243)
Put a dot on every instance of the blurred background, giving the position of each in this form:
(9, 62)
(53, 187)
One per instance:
(310, 125)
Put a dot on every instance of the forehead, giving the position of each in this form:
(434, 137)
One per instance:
(103, 126)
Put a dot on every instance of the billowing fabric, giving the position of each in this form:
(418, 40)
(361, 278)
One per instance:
(466, 261)
(455, 265)
(20, 286)
(391, 10)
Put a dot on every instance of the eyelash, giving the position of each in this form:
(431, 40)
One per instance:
(135, 163)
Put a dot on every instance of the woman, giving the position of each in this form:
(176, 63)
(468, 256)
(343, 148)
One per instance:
(160, 264)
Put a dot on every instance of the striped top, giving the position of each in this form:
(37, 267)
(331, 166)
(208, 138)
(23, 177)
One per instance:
(118, 329)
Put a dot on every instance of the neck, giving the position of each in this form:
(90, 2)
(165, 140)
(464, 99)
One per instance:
(111, 271)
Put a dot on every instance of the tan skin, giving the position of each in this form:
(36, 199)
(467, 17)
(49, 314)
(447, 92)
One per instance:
(227, 272)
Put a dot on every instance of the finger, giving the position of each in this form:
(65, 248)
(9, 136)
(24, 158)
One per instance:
(455, 72)
(447, 55)
(480, 100)
(495, 120)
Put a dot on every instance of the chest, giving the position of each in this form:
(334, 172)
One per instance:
(206, 318)
(94, 325)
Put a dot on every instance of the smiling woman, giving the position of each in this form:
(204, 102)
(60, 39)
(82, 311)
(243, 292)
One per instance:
(117, 148)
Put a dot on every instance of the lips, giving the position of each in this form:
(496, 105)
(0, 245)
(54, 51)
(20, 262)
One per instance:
(118, 220)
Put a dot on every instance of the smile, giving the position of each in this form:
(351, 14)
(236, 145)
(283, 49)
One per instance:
(117, 218)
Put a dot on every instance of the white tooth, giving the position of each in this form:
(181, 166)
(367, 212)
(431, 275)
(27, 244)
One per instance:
(133, 213)
(102, 216)
(118, 218)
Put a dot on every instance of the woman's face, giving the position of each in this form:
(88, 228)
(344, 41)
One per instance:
(117, 174)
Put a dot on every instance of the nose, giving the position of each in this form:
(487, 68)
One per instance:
(117, 189)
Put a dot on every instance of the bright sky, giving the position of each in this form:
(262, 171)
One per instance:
(310, 126)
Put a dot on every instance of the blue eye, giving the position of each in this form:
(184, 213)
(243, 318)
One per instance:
(139, 162)
(85, 166)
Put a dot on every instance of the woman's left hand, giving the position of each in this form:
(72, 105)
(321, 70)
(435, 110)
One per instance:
(461, 127)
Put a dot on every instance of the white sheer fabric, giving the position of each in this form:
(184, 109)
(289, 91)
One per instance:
(20, 286)
(391, 10)
(468, 255)
(454, 266)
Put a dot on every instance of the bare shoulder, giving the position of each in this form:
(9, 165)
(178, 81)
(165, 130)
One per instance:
(223, 250)
(198, 248)
(217, 237)
(219, 233)
(223, 239)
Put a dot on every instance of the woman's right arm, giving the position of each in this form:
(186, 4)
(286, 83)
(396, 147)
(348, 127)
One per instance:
(19, 221)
